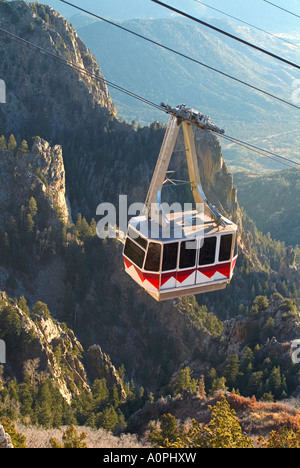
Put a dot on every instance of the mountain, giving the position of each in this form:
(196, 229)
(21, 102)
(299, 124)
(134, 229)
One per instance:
(159, 75)
(272, 202)
(260, 14)
(85, 345)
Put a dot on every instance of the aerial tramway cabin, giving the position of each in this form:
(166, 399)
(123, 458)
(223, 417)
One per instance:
(172, 255)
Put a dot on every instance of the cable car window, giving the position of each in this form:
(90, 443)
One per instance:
(208, 251)
(170, 256)
(225, 248)
(153, 257)
(137, 238)
(187, 254)
(236, 247)
(134, 253)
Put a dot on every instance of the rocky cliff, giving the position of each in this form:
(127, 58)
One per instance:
(39, 171)
(216, 178)
(42, 349)
(5, 440)
(34, 99)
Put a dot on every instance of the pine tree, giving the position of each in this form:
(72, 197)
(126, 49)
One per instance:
(108, 419)
(184, 381)
(18, 440)
(32, 207)
(167, 432)
(71, 439)
(43, 408)
(100, 391)
(232, 370)
(23, 149)
(201, 387)
(29, 223)
(283, 438)
(223, 431)
(3, 144)
(12, 144)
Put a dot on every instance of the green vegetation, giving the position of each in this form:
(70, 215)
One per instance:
(71, 439)
(273, 202)
(223, 431)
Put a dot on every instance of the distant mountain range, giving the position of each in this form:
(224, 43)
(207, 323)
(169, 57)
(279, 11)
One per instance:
(273, 202)
(162, 76)
(256, 12)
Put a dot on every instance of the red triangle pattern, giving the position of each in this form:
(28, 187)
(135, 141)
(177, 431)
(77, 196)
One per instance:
(166, 276)
(152, 278)
(127, 263)
(181, 276)
(208, 271)
(211, 271)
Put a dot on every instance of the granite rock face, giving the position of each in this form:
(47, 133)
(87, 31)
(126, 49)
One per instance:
(5, 440)
(36, 102)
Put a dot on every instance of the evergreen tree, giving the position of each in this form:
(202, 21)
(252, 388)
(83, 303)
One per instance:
(29, 223)
(32, 207)
(43, 407)
(108, 419)
(3, 144)
(71, 439)
(184, 381)
(223, 431)
(232, 371)
(23, 149)
(18, 440)
(100, 392)
(167, 432)
(201, 387)
(12, 144)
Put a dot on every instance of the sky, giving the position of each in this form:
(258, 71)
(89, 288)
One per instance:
(257, 12)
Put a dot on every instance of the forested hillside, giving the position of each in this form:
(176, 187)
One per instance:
(85, 345)
(273, 202)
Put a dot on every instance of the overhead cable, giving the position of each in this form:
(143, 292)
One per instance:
(248, 24)
(280, 8)
(263, 152)
(180, 54)
(231, 36)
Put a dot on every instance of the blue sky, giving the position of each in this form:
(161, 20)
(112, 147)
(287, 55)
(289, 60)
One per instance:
(257, 12)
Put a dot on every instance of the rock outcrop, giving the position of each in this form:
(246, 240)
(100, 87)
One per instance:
(216, 179)
(40, 172)
(5, 440)
(45, 347)
(99, 366)
(34, 101)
